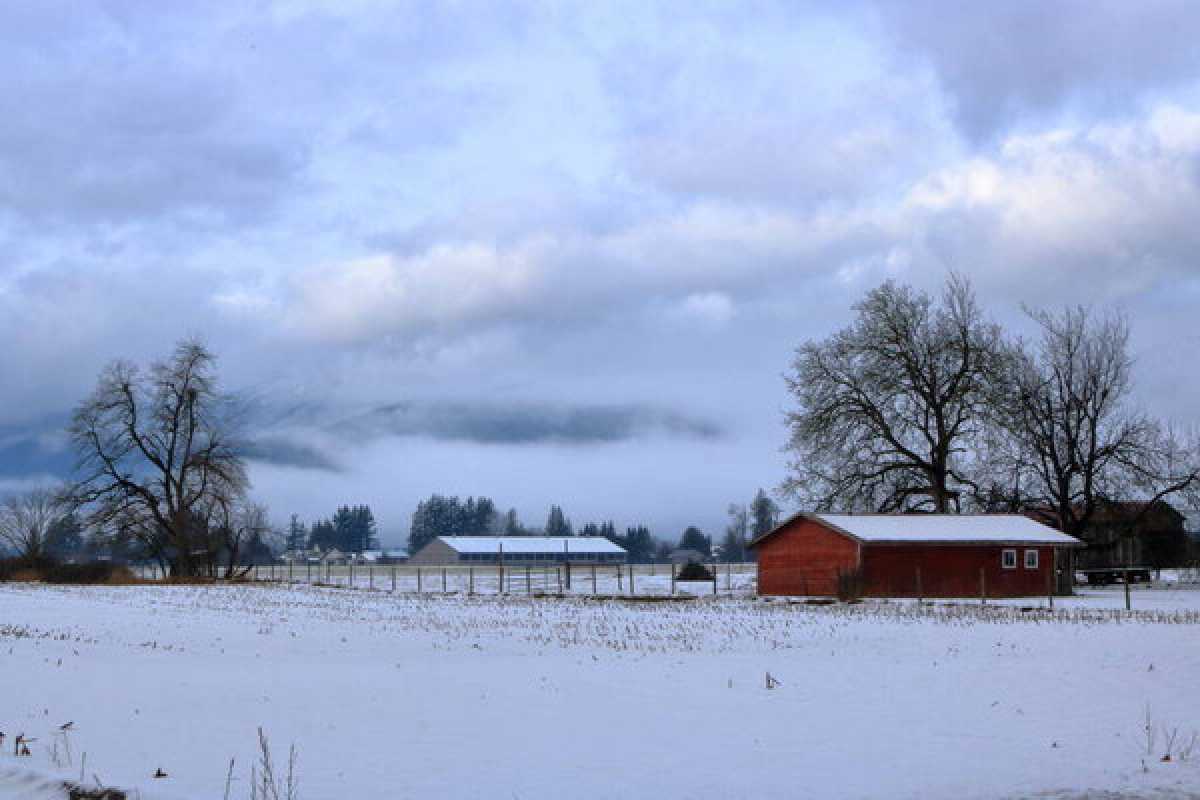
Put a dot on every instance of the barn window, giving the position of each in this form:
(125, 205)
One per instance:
(1008, 559)
(1031, 559)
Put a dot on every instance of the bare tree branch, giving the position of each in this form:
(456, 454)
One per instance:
(156, 452)
(888, 408)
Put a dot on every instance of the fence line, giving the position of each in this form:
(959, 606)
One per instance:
(598, 580)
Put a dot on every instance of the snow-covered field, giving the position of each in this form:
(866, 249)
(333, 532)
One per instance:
(432, 696)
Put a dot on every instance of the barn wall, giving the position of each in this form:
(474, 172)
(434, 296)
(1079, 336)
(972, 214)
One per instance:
(952, 571)
(436, 552)
(804, 558)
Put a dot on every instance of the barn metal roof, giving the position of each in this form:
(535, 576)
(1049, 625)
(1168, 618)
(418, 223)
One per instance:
(531, 544)
(940, 529)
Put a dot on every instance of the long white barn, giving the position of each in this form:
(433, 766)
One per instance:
(519, 550)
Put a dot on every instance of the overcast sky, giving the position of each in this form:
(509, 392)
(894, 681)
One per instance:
(558, 254)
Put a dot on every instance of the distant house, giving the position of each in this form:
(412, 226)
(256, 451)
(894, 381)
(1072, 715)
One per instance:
(368, 557)
(298, 556)
(334, 557)
(911, 555)
(530, 550)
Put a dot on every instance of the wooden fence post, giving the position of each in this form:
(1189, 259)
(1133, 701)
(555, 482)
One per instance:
(593, 578)
(418, 580)
(470, 580)
(982, 586)
(444, 581)
(558, 574)
(729, 577)
(370, 576)
(1128, 605)
(528, 581)
(289, 572)
(632, 590)
(307, 570)
(1050, 585)
(715, 571)
(393, 578)
(920, 589)
(673, 577)
(620, 582)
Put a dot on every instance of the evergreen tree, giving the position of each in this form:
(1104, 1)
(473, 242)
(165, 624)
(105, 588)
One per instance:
(479, 518)
(512, 526)
(437, 516)
(733, 546)
(638, 542)
(557, 523)
(297, 535)
(361, 533)
(764, 514)
(345, 533)
(466, 517)
(590, 529)
(694, 539)
(322, 535)
(662, 552)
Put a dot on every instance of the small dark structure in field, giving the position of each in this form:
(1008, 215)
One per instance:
(912, 555)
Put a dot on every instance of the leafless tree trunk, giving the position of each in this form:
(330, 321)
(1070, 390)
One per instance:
(888, 407)
(26, 521)
(154, 450)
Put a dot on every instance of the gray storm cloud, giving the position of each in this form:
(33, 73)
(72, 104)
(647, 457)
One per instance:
(597, 230)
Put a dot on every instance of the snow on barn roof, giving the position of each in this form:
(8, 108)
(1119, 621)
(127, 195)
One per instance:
(531, 544)
(941, 528)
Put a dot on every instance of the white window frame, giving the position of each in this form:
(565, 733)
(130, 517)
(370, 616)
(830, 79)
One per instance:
(1031, 563)
(1008, 558)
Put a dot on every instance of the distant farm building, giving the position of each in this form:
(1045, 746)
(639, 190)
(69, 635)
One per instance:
(471, 550)
(371, 557)
(1130, 534)
(912, 555)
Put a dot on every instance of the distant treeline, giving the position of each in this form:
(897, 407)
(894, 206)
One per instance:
(442, 515)
(351, 529)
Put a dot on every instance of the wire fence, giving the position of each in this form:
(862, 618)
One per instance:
(600, 580)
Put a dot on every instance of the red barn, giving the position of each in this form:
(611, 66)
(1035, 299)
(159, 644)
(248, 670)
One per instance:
(909, 555)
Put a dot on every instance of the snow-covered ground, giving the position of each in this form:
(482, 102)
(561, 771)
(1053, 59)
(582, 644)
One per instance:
(404, 696)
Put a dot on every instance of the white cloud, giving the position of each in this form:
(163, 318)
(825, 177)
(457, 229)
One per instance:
(1105, 210)
(712, 308)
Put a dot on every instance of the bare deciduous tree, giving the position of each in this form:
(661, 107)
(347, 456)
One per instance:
(888, 407)
(27, 521)
(156, 450)
(1071, 440)
(234, 532)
